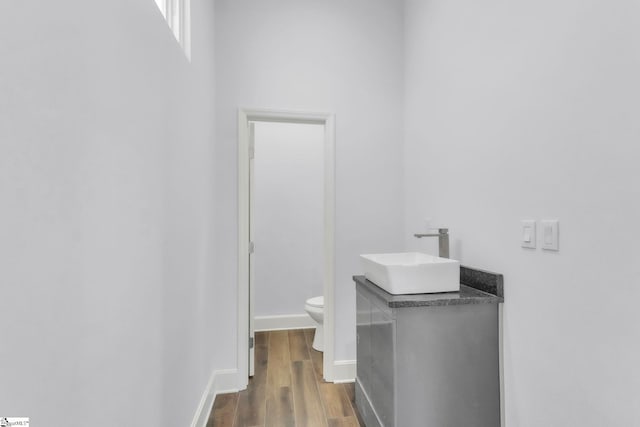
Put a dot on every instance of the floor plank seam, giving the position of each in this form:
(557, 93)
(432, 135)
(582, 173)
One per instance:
(351, 403)
(293, 397)
(266, 383)
(235, 411)
(317, 382)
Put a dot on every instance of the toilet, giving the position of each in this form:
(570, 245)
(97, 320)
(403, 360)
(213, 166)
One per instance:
(315, 308)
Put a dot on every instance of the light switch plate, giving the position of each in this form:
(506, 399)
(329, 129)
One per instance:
(550, 235)
(528, 233)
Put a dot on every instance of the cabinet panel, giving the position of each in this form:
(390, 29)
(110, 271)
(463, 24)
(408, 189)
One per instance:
(382, 365)
(448, 366)
(432, 366)
(363, 339)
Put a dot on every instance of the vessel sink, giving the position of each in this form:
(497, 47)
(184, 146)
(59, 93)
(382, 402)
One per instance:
(412, 273)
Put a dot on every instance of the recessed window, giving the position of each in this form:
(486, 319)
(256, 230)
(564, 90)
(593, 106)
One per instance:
(178, 16)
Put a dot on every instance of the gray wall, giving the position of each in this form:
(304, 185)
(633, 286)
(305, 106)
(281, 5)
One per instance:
(520, 110)
(105, 227)
(333, 56)
(288, 214)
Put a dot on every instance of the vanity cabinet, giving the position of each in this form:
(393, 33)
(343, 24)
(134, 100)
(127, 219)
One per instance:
(427, 360)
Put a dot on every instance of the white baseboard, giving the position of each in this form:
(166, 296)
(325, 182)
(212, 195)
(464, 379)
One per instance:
(226, 381)
(283, 322)
(344, 371)
(223, 381)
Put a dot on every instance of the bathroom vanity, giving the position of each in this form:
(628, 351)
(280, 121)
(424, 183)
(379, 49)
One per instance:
(430, 360)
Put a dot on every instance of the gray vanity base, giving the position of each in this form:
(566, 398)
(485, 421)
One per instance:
(427, 366)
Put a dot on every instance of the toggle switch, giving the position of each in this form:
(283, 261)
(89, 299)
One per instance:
(528, 233)
(550, 235)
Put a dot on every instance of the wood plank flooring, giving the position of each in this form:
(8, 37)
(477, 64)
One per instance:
(287, 389)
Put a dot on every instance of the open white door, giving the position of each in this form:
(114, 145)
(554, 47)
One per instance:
(252, 254)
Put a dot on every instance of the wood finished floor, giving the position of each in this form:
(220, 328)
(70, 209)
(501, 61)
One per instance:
(287, 389)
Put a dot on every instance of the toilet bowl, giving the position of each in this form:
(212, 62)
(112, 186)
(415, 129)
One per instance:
(315, 308)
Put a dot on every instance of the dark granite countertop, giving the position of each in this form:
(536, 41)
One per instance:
(476, 287)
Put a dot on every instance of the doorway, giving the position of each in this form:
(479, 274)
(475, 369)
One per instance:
(247, 120)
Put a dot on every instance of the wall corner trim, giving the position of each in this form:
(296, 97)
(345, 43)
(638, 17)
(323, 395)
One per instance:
(221, 381)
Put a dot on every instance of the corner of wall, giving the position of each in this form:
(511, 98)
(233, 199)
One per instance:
(221, 381)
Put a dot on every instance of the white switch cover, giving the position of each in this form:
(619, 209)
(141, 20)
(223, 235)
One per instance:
(550, 238)
(528, 233)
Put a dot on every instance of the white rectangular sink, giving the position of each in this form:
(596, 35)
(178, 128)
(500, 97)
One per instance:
(412, 273)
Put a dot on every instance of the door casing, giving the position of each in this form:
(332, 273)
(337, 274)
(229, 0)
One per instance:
(245, 117)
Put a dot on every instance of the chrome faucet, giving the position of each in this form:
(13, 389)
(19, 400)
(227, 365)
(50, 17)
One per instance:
(443, 241)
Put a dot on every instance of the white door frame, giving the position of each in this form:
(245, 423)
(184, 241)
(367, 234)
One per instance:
(328, 121)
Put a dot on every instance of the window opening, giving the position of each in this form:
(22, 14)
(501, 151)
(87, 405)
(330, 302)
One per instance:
(177, 13)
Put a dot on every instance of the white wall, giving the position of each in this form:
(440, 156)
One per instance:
(288, 214)
(517, 110)
(105, 236)
(329, 56)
